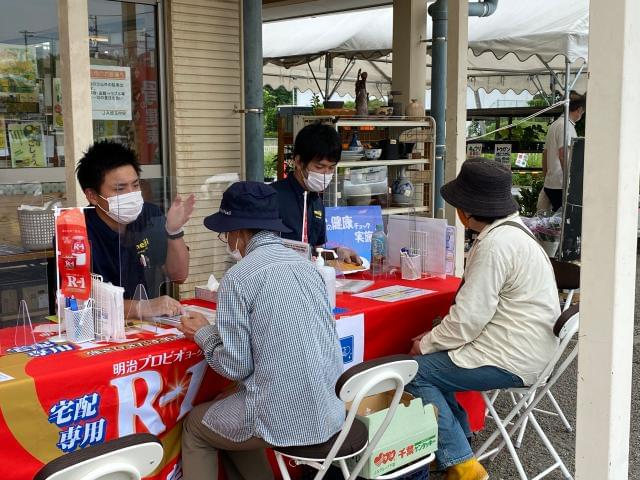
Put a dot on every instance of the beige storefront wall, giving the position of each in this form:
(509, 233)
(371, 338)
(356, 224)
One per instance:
(204, 78)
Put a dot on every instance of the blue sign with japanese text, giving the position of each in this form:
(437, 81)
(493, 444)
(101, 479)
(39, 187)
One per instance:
(352, 227)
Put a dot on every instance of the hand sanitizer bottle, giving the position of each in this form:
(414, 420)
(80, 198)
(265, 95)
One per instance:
(328, 275)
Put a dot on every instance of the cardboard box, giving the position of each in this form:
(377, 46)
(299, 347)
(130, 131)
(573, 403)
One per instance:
(411, 435)
(203, 293)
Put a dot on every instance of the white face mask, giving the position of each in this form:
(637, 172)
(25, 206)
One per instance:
(318, 182)
(125, 208)
(235, 253)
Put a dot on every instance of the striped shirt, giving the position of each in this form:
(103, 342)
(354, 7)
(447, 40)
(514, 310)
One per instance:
(275, 335)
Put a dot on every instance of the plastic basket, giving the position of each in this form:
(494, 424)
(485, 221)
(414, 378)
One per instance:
(37, 228)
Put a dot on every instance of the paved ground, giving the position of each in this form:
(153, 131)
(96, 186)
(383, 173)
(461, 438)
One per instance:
(533, 454)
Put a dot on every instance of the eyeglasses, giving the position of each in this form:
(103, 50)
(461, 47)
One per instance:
(223, 237)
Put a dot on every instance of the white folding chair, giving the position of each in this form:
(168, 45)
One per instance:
(128, 458)
(368, 378)
(565, 329)
(567, 280)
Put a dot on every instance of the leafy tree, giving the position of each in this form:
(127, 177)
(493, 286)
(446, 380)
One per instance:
(273, 98)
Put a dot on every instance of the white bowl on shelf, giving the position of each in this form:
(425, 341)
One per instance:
(373, 153)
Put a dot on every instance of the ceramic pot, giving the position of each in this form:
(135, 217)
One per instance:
(415, 109)
(402, 189)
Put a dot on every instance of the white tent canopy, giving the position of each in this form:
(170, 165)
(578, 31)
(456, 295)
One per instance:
(508, 50)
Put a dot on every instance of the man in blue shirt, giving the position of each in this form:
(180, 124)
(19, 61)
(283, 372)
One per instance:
(132, 242)
(316, 153)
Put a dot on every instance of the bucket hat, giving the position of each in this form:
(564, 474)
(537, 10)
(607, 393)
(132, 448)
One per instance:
(483, 188)
(250, 205)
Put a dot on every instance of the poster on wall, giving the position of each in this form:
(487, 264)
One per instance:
(27, 145)
(18, 69)
(4, 151)
(58, 123)
(111, 92)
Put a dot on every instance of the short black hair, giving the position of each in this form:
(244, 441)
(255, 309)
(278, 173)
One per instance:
(317, 142)
(577, 101)
(101, 158)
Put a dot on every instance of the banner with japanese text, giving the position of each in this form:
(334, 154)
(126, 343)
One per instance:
(111, 92)
(75, 396)
(352, 227)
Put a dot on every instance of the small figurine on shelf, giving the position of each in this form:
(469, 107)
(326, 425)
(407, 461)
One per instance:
(362, 97)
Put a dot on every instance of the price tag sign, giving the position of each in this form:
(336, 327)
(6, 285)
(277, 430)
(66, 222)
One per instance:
(503, 153)
(522, 160)
(474, 150)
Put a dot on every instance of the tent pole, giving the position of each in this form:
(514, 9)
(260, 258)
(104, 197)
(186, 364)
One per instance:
(254, 102)
(565, 140)
(328, 63)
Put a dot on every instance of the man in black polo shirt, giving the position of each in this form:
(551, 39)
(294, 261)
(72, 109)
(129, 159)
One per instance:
(132, 242)
(316, 152)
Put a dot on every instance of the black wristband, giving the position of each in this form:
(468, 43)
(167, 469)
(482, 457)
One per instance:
(176, 236)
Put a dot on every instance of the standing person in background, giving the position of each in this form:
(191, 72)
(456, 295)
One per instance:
(316, 153)
(553, 156)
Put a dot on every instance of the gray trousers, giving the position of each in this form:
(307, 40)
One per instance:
(201, 446)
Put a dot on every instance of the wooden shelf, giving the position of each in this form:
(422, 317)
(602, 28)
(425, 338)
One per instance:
(381, 163)
(401, 210)
(26, 257)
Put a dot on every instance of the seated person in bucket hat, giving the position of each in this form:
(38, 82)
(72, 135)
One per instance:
(499, 331)
(274, 335)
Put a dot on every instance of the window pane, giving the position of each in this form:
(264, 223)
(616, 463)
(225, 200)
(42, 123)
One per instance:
(125, 88)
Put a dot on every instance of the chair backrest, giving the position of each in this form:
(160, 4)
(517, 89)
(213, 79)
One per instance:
(567, 275)
(130, 457)
(366, 379)
(381, 371)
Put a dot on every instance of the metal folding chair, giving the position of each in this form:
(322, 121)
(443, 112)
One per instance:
(565, 329)
(368, 378)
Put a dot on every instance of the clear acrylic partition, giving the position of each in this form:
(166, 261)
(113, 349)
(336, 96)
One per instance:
(27, 281)
(31, 164)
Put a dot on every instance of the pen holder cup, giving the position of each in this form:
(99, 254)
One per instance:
(411, 267)
(79, 323)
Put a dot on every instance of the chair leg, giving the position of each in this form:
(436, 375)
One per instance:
(505, 437)
(549, 446)
(282, 466)
(344, 469)
(523, 427)
(553, 401)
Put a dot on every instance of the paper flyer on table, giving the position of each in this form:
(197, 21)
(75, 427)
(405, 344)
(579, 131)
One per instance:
(394, 293)
(351, 333)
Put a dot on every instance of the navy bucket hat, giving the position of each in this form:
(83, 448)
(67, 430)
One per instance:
(483, 188)
(250, 205)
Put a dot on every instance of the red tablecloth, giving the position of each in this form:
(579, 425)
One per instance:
(65, 398)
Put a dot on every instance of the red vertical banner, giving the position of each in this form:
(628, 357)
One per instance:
(73, 254)
(146, 108)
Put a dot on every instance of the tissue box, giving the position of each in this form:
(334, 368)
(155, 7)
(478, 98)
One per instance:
(203, 293)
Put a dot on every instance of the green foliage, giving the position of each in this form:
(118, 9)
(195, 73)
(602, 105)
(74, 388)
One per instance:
(528, 199)
(271, 99)
(316, 102)
(270, 166)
